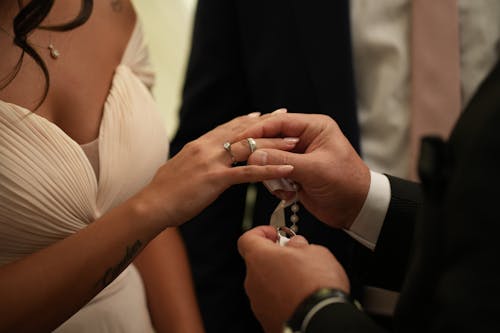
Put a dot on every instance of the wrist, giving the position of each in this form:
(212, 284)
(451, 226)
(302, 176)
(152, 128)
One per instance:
(368, 223)
(314, 303)
(143, 209)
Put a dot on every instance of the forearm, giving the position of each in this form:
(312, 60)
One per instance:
(165, 270)
(52, 284)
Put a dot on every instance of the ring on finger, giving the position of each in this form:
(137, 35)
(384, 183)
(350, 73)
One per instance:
(252, 144)
(227, 147)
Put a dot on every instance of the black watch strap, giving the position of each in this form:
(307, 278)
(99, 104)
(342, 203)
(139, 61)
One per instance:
(312, 304)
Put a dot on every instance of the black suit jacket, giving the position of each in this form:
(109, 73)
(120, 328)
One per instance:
(249, 56)
(452, 280)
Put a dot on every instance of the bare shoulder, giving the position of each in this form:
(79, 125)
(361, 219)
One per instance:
(123, 9)
(117, 17)
(121, 6)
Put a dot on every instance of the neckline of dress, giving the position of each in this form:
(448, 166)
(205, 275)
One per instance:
(91, 143)
(30, 113)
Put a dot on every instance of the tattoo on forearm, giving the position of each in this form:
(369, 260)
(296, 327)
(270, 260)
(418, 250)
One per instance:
(117, 5)
(112, 272)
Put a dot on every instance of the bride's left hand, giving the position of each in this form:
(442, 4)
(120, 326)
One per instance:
(203, 169)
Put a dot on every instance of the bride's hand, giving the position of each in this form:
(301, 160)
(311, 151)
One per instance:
(203, 169)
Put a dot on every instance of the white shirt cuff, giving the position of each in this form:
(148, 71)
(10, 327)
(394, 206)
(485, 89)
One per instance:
(367, 225)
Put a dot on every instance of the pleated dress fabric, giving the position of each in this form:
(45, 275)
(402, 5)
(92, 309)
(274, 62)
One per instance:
(49, 190)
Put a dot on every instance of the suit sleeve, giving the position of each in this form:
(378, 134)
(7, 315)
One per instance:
(387, 265)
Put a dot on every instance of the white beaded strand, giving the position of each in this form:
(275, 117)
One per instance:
(294, 218)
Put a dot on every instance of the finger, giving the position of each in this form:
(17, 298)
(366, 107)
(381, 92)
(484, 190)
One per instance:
(231, 130)
(282, 110)
(297, 241)
(277, 124)
(255, 173)
(242, 124)
(242, 149)
(278, 157)
(256, 237)
(254, 114)
(307, 127)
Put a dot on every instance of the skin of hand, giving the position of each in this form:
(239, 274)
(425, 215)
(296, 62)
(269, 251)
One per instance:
(279, 278)
(202, 170)
(333, 180)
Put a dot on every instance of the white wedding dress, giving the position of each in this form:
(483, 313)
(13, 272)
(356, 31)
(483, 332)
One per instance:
(49, 189)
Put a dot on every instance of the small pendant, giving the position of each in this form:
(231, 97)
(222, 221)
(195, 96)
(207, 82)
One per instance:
(54, 53)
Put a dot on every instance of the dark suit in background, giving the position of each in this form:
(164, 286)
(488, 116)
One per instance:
(452, 281)
(251, 56)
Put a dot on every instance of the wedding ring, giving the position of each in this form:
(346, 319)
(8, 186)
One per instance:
(252, 144)
(285, 231)
(227, 147)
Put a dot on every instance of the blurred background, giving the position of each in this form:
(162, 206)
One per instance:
(168, 26)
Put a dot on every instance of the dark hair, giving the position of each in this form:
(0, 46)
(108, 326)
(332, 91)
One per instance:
(28, 19)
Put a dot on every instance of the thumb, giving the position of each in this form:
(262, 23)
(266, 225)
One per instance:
(256, 238)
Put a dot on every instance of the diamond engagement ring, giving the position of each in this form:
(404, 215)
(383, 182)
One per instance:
(227, 147)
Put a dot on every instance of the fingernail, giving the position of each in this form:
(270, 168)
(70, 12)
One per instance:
(282, 110)
(260, 157)
(286, 168)
(291, 140)
(254, 114)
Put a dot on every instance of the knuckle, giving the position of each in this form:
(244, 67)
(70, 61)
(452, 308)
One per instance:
(193, 147)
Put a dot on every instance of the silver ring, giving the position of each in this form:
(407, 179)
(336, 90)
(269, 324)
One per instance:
(227, 147)
(252, 144)
(285, 231)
